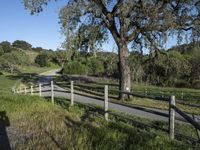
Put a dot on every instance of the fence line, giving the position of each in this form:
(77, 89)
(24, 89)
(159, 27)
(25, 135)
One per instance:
(172, 105)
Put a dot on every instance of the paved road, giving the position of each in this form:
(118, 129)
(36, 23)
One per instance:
(149, 113)
(48, 76)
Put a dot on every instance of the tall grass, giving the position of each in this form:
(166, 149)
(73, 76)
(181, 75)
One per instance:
(37, 124)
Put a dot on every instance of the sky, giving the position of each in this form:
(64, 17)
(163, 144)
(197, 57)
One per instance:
(41, 30)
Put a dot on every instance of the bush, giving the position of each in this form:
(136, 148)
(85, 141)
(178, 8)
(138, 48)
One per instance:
(1, 73)
(22, 44)
(1, 50)
(96, 67)
(196, 84)
(42, 60)
(182, 84)
(75, 67)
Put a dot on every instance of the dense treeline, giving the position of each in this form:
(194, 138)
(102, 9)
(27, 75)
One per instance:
(177, 67)
(14, 56)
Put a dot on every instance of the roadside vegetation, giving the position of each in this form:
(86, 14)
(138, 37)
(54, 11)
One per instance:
(177, 67)
(21, 57)
(34, 122)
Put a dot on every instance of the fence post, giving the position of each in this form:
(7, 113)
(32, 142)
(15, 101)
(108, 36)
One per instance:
(145, 92)
(72, 93)
(24, 90)
(106, 102)
(52, 92)
(182, 95)
(162, 93)
(40, 90)
(171, 117)
(31, 90)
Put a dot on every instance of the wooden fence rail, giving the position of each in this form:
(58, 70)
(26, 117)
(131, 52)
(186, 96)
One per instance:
(172, 111)
(172, 104)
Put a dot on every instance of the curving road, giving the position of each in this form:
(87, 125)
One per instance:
(149, 113)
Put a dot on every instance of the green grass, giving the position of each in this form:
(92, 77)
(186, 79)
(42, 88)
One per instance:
(150, 103)
(6, 84)
(135, 101)
(185, 94)
(38, 70)
(36, 123)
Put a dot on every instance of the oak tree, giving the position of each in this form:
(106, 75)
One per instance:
(142, 23)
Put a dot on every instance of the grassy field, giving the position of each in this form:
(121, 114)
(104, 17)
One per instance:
(34, 122)
(135, 101)
(185, 94)
(182, 94)
(38, 70)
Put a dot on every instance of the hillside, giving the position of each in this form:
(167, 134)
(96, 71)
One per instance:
(186, 48)
(21, 57)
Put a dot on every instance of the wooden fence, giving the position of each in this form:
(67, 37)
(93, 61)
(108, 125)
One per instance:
(172, 103)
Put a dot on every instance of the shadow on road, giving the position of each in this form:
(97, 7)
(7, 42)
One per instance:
(4, 122)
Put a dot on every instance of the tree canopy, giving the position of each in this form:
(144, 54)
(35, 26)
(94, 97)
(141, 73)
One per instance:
(22, 44)
(141, 23)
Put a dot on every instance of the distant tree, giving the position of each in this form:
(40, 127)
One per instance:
(1, 50)
(96, 66)
(146, 23)
(178, 68)
(11, 61)
(42, 60)
(75, 67)
(37, 49)
(110, 64)
(196, 64)
(136, 66)
(62, 56)
(6, 46)
(167, 70)
(22, 44)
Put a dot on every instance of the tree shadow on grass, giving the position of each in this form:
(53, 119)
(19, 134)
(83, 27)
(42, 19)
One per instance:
(26, 77)
(86, 79)
(4, 122)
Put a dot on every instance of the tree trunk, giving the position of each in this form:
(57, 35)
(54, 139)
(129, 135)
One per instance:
(124, 71)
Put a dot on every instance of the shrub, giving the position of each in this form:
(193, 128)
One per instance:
(196, 84)
(1, 50)
(22, 44)
(96, 67)
(182, 84)
(75, 67)
(7, 48)
(1, 73)
(42, 60)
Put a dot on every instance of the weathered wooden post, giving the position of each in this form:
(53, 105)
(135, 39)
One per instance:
(25, 90)
(171, 117)
(106, 102)
(182, 95)
(72, 93)
(31, 90)
(145, 92)
(52, 92)
(20, 90)
(40, 90)
(162, 93)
